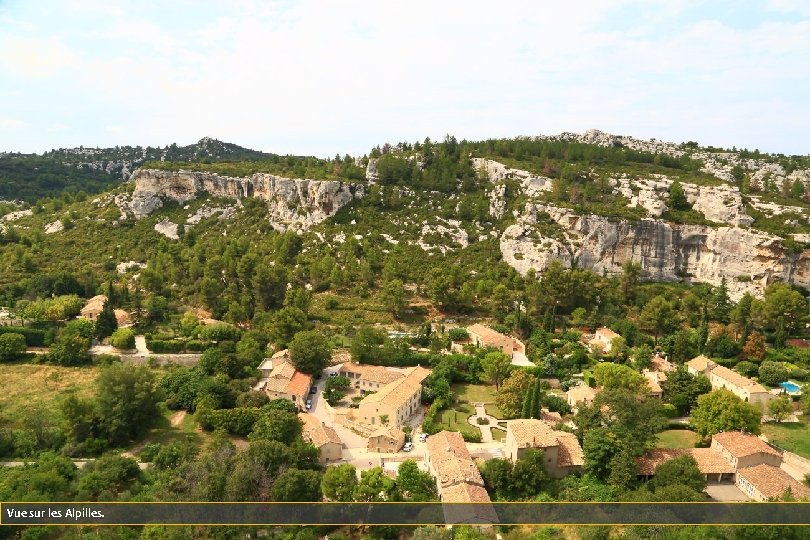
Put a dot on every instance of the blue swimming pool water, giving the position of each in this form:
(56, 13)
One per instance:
(789, 386)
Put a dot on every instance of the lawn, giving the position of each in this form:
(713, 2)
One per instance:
(793, 437)
(455, 419)
(163, 432)
(677, 438)
(498, 434)
(39, 387)
(474, 393)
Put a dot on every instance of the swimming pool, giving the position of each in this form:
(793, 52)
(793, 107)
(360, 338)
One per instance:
(790, 386)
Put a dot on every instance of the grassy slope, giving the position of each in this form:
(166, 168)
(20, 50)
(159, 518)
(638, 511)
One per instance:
(32, 387)
(793, 437)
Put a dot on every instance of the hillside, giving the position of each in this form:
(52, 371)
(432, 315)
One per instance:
(591, 200)
(28, 177)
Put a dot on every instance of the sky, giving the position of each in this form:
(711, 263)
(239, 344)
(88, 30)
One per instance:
(320, 77)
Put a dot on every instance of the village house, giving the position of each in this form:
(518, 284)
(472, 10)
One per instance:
(369, 378)
(752, 463)
(283, 381)
(458, 479)
(700, 365)
(484, 336)
(561, 449)
(580, 394)
(763, 482)
(654, 380)
(322, 437)
(721, 377)
(393, 403)
(660, 364)
(450, 464)
(387, 439)
(603, 339)
(711, 464)
(93, 307)
(744, 450)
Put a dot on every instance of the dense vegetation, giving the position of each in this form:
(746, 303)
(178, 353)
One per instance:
(336, 287)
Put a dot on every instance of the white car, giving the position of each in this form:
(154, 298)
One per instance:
(423, 437)
(408, 447)
(309, 404)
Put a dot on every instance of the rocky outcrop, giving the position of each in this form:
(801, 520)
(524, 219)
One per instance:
(747, 259)
(54, 227)
(293, 203)
(167, 229)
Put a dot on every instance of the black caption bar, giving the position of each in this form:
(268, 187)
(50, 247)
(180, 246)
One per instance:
(281, 514)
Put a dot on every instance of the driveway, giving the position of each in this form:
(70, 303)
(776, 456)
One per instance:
(726, 493)
(520, 359)
(351, 440)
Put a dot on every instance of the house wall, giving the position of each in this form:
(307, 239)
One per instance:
(330, 452)
(383, 444)
(750, 490)
(758, 458)
(369, 413)
(299, 401)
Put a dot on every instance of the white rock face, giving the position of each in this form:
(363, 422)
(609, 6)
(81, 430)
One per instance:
(371, 170)
(126, 266)
(54, 227)
(665, 251)
(167, 229)
(452, 232)
(775, 209)
(293, 203)
(208, 211)
(18, 214)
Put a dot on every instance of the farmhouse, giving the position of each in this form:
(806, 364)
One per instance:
(484, 336)
(386, 439)
(603, 338)
(744, 450)
(393, 403)
(284, 381)
(93, 307)
(763, 482)
(580, 394)
(562, 452)
(722, 377)
(322, 437)
(369, 378)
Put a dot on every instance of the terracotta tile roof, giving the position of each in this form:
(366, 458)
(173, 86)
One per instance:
(652, 380)
(299, 384)
(489, 336)
(700, 363)
(710, 461)
(465, 493)
(581, 393)
(549, 417)
(772, 481)
(607, 333)
(659, 363)
(451, 460)
(647, 463)
(734, 378)
(390, 432)
(283, 378)
(570, 452)
(376, 374)
(94, 305)
(316, 433)
(399, 391)
(531, 433)
(741, 444)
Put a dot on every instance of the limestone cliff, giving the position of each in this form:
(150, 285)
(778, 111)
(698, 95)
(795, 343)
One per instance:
(293, 203)
(748, 259)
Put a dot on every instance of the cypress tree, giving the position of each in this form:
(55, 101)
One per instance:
(106, 323)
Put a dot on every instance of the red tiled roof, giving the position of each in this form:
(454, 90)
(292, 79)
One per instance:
(299, 384)
(772, 481)
(741, 444)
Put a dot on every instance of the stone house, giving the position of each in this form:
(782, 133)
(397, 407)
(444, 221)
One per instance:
(561, 449)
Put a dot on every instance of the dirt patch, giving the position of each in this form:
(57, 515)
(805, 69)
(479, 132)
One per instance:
(177, 418)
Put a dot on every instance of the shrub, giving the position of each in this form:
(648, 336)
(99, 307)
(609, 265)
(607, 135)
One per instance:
(123, 339)
(34, 337)
(107, 359)
(471, 436)
(12, 346)
(165, 346)
(149, 452)
(669, 410)
(458, 334)
(220, 332)
(772, 373)
(482, 421)
(237, 421)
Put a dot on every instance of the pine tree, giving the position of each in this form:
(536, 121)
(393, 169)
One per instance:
(106, 323)
(677, 197)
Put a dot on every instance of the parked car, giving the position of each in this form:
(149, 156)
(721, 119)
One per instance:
(313, 390)
(423, 437)
(333, 374)
(408, 446)
(309, 404)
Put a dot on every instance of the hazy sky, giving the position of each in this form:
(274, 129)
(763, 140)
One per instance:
(323, 77)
